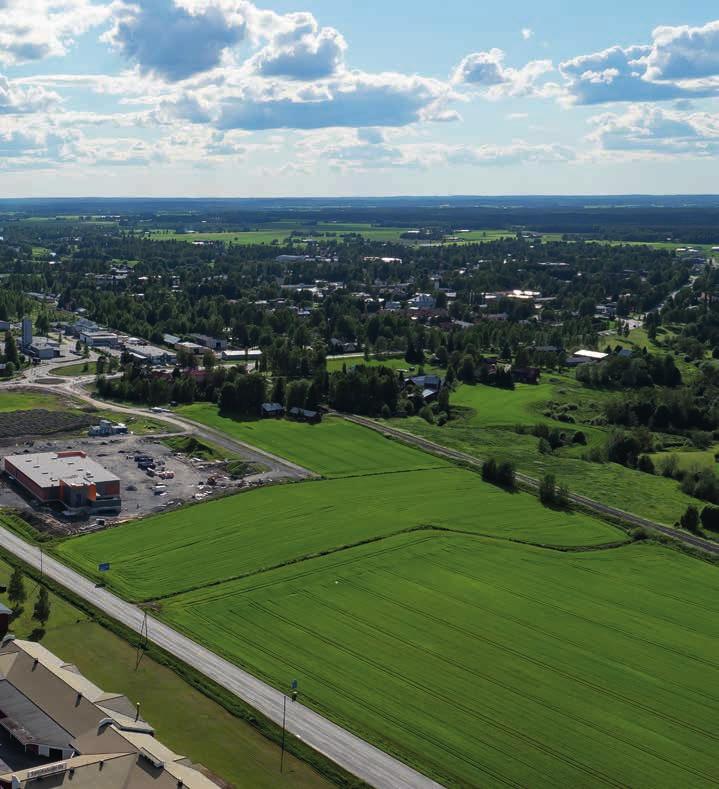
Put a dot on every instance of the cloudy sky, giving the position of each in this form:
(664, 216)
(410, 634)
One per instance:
(339, 97)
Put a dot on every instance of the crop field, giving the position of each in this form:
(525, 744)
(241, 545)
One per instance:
(26, 401)
(264, 528)
(333, 448)
(487, 663)
(39, 422)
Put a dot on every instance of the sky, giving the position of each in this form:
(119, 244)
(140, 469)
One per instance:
(228, 98)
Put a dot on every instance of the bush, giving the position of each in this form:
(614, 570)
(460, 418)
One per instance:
(547, 489)
(579, 438)
(639, 534)
(545, 448)
(489, 470)
(690, 519)
(506, 475)
(645, 464)
(386, 413)
(426, 413)
(710, 518)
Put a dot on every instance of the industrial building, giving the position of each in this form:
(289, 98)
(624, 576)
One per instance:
(151, 354)
(70, 479)
(58, 729)
(108, 428)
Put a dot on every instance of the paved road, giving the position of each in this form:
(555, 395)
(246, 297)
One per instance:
(591, 504)
(350, 752)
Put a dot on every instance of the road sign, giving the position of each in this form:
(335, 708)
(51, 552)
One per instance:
(104, 567)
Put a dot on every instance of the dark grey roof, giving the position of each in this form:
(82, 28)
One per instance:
(27, 722)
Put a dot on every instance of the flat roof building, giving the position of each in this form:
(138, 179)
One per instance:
(70, 479)
(59, 729)
(151, 354)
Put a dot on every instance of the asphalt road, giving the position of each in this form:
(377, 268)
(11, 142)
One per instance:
(590, 504)
(345, 749)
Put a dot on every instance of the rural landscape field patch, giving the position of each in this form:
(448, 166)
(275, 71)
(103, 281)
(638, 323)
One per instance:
(253, 531)
(485, 663)
(333, 448)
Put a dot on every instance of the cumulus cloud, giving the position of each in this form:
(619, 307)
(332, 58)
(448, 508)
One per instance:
(167, 39)
(352, 99)
(35, 29)
(681, 62)
(527, 33)
(486, 72)
(684, 53)
(301, 50)
(654, 131)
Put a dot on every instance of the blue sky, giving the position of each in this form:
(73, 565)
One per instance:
(237, 98)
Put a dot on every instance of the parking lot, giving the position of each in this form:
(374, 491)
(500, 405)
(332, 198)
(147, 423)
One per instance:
(142, 493)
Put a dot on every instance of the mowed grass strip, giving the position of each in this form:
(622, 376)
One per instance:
(249, 532)
(332, 448)
(486, 663)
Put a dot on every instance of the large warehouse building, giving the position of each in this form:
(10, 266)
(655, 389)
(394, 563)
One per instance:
(70, 479)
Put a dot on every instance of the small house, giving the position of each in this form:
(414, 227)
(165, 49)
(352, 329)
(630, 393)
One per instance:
(272, 411)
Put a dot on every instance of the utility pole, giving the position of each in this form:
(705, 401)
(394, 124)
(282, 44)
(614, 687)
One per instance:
(142, 645)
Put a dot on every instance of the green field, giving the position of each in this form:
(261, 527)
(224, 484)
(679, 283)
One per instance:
(333, 448)
(75, 370)
(485, 663)
(185, 719)
(486, 425)
(253, 531)
(394, 363)
(26, 401)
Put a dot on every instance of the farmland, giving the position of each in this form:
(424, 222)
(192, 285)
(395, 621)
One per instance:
(194, 725)
(484, 662)
(495, 422)
(245, 534)
(333, 448)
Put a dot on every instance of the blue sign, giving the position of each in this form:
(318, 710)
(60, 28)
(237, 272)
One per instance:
(104, 567)
(294, 684)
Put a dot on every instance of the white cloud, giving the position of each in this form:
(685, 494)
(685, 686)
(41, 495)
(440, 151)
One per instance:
(16, 99)
(684, 53)
(486, 72)
(527, 33)
(682, 62)
(35, 29)
(300, 49)
(656, 132)
(175, 40)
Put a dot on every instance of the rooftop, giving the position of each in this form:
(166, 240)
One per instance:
(47, 469)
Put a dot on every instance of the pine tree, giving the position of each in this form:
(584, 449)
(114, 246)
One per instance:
(41, 611)
(16, 590)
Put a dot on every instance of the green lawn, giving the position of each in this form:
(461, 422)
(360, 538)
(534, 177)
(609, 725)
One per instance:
(333, 448)
(75, 370)
(394, 363)
(486, 663)
(185, 720)
(26, 401)
(253, 531)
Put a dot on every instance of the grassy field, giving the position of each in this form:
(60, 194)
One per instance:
(333, 448)
(487, 424)
(185, 720)
(75, 370)
(394, 363)
(253, 531)
(26, 401)
(485, 663)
